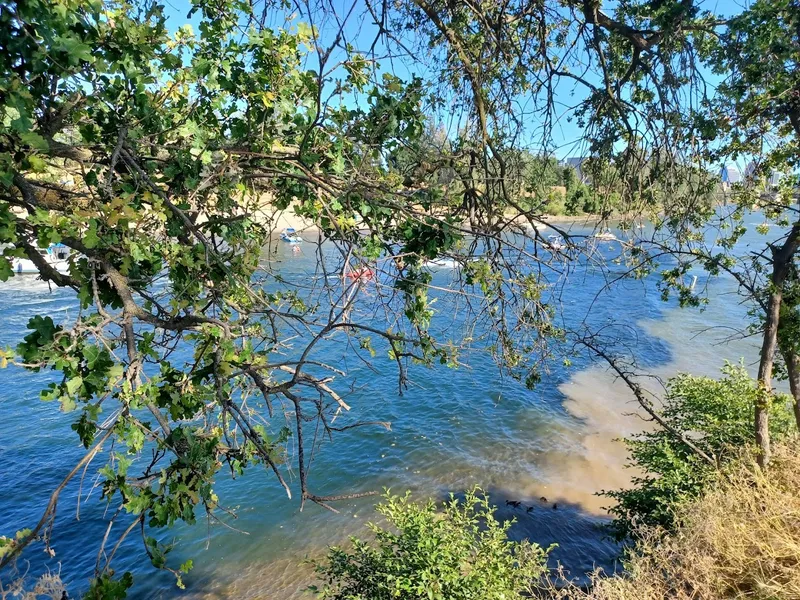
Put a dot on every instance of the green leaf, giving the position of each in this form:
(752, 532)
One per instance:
(6, 271)
(74, 384)
(91, 353)
(338, 165)
(75, 49)
(90, 238)
(67, 404)
(36, 163)
(33, 139)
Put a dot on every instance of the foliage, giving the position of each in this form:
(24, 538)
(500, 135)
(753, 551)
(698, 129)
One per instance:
(7, 544)
(159, 156)
(106, 588)
(458, 553)
(717, 415)
(577, 198)
(148, 153)
(758, 96)
(540, 172)
(554, 203)
(755, 115)
(650, 124)
(552, 189)
(587, 199)
(569, 178)
(740, 539)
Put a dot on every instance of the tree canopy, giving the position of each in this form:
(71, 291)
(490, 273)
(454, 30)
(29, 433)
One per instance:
(158, 154)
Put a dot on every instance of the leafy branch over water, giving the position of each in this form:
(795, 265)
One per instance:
(160, 156)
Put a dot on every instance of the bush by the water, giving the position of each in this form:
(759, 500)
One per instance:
(717, 415)
(739, 540)
(460, 552)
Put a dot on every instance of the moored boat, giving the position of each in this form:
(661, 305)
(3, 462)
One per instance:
(56, 255)
(362, 273)
(290, 235)
(442, 263)
(555, 242)
(605, 236)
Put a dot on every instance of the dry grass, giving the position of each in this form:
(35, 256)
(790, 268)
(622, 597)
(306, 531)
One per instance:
(47, 587)
(740, 541)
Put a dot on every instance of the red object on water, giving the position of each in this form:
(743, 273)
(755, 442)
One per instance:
(362, 273)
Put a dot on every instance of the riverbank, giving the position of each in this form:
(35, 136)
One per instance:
(555, 219)
(278, 220)
(741, 539)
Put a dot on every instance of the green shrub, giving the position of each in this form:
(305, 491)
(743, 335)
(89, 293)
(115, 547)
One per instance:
(461, 552)
(554, 203)
(577, 197)
(569, 178)
(593, 202)
(717, 415)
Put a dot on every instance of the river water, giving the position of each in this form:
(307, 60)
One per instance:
(453, 428)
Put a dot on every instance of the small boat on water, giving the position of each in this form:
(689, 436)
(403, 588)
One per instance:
(56, 255)
(555, 242)
(442, 263)
(362, 273)
(446, 262)
(290, 235)
(605, 236)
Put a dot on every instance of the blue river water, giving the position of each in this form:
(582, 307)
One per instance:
(451, 429)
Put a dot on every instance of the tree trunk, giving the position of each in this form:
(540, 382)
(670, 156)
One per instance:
(768, 348)
(792, 361)
(782, 258)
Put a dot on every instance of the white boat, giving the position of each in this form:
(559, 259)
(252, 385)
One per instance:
(605, 236)
(57, 256)
(442, 263)
(555, 242)
(290, 235)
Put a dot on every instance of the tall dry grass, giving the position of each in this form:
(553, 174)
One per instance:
(741, 540)
(47, 586)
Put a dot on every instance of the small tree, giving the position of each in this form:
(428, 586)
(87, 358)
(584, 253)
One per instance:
(459, 553)
(569, 178)
(717, 415)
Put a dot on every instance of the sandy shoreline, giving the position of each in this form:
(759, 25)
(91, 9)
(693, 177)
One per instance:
(571, 218)
(283, 219)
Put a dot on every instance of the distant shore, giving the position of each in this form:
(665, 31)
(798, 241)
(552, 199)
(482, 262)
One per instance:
(570, 218)
(279, 220)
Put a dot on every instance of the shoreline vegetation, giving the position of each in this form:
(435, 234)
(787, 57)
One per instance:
(740, 539)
